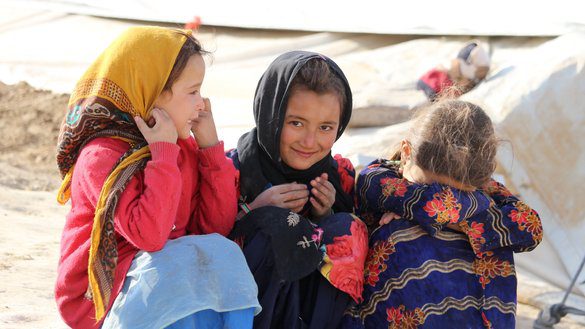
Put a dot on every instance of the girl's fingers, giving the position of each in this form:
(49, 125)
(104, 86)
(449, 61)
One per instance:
(141, 124)
(160, 115)
(317, 205)
(290, 187)
(292, 192)
(388, 217)
(323, 192)
(320, 196)
(296, 198)
(315, 202)
(297, 209)
(295, 194)
(327, 184)
(323, 183)
(293, 204)
(207, 103)
(384, 220)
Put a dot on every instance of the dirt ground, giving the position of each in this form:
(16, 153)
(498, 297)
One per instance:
(31, 219)
(29, 126)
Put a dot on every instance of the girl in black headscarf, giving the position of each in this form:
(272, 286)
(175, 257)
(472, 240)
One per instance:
(303, 245)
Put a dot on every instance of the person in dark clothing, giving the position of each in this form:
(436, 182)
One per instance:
(304, 246)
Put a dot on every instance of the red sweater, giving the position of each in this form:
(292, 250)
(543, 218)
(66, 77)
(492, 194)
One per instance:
(183, 190)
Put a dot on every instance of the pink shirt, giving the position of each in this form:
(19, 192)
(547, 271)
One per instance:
(183, 190)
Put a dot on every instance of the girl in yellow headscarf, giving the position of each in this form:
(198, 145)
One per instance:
(152, 194)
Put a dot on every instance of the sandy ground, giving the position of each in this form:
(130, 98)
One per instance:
(29, 244)
(31, 219)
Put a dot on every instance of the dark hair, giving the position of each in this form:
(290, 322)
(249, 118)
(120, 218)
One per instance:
(456, 139)
(190, 47)
(318, 77)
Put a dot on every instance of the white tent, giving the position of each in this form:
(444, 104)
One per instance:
(534, 93)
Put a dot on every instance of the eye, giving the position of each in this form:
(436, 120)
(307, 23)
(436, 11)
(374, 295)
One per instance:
(326, 128)
(295, 123)
(194, 92)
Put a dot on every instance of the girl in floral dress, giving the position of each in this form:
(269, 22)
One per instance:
(444, 233)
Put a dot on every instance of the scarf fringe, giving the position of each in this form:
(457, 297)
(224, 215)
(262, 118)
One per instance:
(64, 193)
(99, 285)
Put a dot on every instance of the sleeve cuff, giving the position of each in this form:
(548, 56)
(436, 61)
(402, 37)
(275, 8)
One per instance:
(213, 155)
(164, 151)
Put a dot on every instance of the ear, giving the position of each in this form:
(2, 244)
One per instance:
(162, 99)
(405, 156)
(405, 150)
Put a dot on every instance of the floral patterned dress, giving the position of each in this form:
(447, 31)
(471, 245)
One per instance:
(420, 273)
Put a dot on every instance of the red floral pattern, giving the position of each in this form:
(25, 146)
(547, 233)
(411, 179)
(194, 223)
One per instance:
(347, 256)
(527, 219)
(393, 186)
(475, 233)
(489, 268)
(376, 261)
(400, 318)
(346, 173)
(444, 207)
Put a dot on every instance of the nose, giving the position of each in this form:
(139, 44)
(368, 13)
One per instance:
(199, 104)
(309, 139)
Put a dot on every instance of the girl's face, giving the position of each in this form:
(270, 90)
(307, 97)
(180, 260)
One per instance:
(310, 128)
(183, 102)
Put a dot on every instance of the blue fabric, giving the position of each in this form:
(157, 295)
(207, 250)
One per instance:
(431, 282)
(191, 274)
(210, 319)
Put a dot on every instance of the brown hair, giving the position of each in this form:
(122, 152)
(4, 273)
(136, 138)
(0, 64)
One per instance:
(190, 47)
(318, 77)
(456, 139)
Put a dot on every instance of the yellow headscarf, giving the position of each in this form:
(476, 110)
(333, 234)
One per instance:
(123, 82)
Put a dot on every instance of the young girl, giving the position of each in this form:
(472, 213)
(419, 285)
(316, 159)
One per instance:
(443, 253)
(465, 71)
(304, 247)
(143, 194)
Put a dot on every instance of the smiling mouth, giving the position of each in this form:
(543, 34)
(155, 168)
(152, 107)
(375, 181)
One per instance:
(304, 154)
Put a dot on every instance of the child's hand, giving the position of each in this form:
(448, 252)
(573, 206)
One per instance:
(204, 127)
(291, 196)
(323, 196)
(161, 127)
(387, 218)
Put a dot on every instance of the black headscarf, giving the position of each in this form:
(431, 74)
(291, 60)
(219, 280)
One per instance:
(259, 149)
